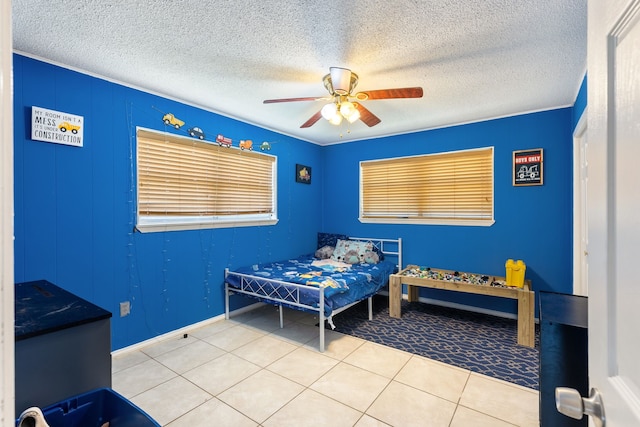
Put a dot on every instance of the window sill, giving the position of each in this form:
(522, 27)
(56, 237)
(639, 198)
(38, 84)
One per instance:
(416, 221)
(175, 226)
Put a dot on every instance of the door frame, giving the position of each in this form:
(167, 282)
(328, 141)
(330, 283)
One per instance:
(7, 345)
(579, 206)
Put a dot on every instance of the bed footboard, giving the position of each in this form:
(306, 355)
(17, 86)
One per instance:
(277, 293)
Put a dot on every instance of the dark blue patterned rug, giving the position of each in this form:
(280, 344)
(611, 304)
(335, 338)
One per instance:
(479, 342)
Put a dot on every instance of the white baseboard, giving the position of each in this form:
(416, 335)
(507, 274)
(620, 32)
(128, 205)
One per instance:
(206, 322)
(184, 330)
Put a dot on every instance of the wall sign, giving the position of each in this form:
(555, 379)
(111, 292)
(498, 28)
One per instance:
(57, 127)
(527, 167)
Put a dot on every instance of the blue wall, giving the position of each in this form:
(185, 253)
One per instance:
(531, 223)
(581, 102)
(74, 207)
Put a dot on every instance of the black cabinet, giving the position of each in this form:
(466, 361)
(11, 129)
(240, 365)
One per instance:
(62, 345)
(563, 353)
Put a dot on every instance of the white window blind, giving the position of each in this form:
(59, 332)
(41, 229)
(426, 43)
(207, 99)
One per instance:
(453, 187)
(187, 183)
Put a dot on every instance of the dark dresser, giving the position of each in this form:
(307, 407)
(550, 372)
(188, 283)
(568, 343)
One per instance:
(563, 353)
(62, 345)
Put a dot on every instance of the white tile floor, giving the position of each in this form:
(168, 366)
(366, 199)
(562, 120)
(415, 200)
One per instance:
(248, 372)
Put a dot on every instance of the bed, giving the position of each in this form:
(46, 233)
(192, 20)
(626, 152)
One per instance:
(319, 284)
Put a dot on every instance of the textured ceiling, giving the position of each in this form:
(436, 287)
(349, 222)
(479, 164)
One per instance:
(476, 60)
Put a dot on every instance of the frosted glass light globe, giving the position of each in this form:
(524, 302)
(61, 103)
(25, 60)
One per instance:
(329, 111)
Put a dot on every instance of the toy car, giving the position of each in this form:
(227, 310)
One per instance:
(265, 146)
(66, 126)
(196, 133)
(222, 140)
(170, 119)
(246, 144)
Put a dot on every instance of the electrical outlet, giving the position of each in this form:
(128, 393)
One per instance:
(125, 308)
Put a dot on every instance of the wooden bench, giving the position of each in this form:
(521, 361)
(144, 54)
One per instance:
(524, 295)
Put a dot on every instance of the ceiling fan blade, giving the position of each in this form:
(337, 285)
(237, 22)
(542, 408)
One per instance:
(406, 92)
(310, 98)
(312, 120)
(367, 116)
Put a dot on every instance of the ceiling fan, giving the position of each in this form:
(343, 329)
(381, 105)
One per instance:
(344, 103)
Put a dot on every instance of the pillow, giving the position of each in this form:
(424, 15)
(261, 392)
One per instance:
(324, 252)
(352, 257)
(329, 239)
(345, 246)
(371, 257)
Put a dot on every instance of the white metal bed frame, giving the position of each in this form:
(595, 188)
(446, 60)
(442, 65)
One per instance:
(288, 293)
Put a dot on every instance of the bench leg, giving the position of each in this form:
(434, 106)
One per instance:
(413, 293)
(395, 296)
(526, 324)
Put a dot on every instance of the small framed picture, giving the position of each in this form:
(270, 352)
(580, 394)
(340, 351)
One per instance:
(527, 167)
(303, 174)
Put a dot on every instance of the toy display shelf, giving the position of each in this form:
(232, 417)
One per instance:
(414, 277)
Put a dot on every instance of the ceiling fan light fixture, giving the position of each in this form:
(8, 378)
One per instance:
(340, 83)
(335, 111)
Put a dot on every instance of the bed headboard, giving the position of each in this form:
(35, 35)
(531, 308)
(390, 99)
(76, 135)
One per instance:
(390, 248)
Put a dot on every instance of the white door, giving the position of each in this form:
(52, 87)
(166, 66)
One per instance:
(613, 204)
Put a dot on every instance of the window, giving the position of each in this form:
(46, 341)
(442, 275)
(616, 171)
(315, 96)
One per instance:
(446, 188)
(184, 183)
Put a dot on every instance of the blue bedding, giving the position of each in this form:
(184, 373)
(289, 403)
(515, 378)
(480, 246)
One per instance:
(342, 285)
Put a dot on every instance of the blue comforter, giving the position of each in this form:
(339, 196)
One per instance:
(342, 286)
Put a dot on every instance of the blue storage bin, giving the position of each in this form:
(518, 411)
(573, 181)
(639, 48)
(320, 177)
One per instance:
(95, 409)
